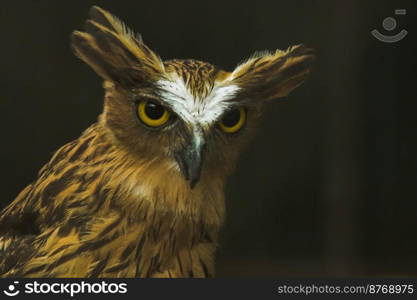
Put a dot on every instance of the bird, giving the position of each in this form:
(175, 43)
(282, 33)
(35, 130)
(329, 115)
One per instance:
(141, 192)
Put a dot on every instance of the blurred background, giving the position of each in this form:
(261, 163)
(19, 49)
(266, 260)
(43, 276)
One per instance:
(329, 185)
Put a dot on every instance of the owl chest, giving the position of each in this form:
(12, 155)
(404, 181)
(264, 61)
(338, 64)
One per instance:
(166, 247)
(116, 247)
(144, 257)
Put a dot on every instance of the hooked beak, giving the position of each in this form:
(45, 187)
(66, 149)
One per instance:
(190, 159)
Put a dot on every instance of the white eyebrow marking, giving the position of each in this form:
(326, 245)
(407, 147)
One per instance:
(196, 110)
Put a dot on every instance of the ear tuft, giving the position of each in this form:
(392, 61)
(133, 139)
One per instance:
(274, 75)
(114, 51)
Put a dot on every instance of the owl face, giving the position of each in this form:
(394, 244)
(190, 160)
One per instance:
(188, 113)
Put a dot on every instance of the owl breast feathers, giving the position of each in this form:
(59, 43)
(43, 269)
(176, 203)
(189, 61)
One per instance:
(140, 193)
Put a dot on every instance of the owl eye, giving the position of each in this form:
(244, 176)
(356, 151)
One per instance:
(233, 120)
(152, 114)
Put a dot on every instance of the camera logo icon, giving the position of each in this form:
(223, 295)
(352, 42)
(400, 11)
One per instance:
(390, 24)
(11, 289)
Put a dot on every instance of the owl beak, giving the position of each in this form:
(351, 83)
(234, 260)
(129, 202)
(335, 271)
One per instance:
(190, 160)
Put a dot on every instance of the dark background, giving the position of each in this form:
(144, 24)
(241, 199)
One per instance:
(327, 188)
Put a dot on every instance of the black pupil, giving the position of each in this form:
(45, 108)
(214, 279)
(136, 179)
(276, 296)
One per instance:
(231, 118)
(154, 111)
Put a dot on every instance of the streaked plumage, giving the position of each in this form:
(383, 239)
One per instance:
(128, 200)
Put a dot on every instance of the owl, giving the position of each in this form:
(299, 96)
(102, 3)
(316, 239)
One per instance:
(141, 192)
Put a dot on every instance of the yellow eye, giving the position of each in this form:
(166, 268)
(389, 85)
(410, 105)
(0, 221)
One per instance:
(152, 114)
(233, 120)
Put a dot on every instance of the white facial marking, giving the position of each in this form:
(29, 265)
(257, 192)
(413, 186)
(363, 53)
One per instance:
(195, 110)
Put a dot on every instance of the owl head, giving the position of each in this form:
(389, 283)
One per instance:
(189, 113)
